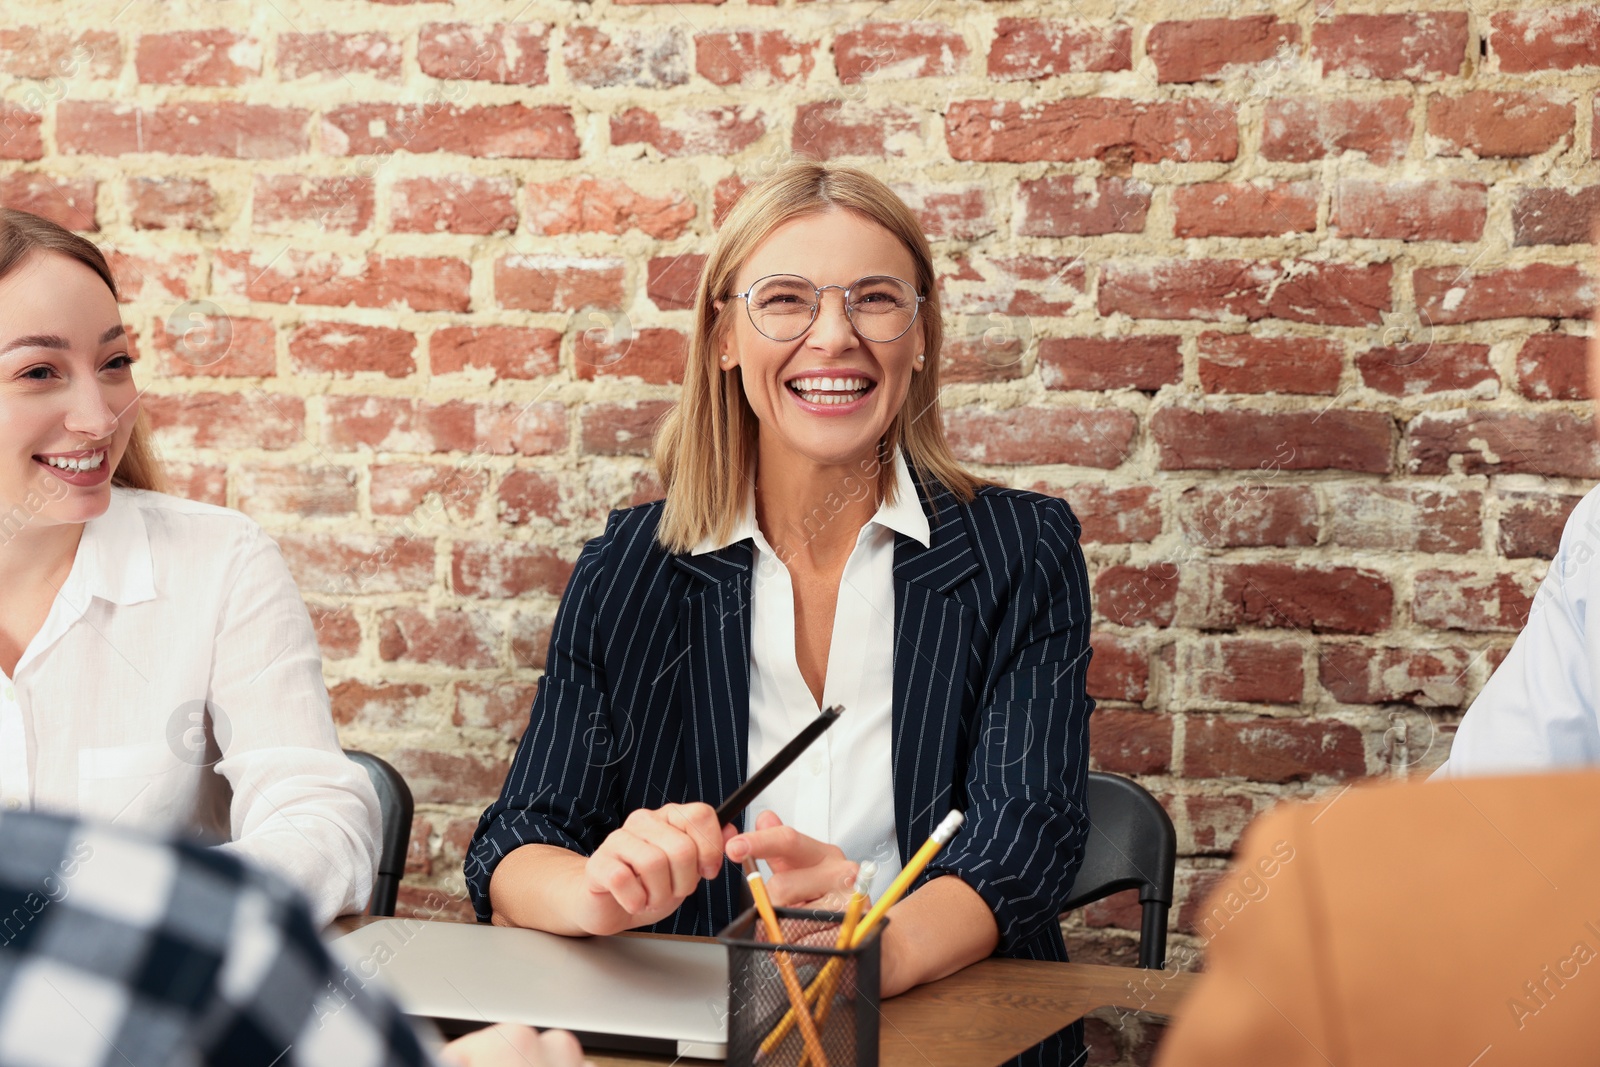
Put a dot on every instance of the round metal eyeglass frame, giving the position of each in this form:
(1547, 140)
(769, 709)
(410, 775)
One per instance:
(816, 305)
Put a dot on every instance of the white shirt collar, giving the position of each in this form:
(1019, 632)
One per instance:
(113, 560)
(904, 516)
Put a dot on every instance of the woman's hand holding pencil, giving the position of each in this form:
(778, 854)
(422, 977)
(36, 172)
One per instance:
(805, 871)
(644, 870)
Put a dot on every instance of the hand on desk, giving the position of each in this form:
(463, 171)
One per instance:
(806, 872)
(508, 1045)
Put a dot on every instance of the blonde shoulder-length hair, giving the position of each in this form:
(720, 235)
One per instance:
(23, 234)
(705, 450)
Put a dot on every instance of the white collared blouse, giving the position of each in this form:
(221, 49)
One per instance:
(1540, 710)
(841, 790)
(176, 686)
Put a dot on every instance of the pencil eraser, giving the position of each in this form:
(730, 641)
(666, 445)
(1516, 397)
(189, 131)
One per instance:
(864, 876)
(947, 829)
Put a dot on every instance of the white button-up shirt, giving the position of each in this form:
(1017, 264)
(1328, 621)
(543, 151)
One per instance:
(841, 790)
(176, 686)
(1538, 710)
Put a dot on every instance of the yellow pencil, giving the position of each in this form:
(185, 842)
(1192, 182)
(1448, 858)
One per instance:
(791, 980)
(897, 889)
(852, 915)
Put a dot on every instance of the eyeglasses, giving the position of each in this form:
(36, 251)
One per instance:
(783, 306)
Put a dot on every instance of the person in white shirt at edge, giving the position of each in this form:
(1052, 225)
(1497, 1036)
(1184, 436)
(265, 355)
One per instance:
(1541, 707)
(159, 667)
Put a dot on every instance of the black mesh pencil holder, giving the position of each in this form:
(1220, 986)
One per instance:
(842, 986)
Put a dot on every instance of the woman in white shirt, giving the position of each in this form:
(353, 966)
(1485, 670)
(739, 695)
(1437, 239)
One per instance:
(1540, 710)
(157, 665)
(818, 545)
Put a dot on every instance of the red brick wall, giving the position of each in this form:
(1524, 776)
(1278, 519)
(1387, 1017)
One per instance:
(1289, 305)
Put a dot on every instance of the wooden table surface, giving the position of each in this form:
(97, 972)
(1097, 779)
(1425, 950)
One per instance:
(982, 1015)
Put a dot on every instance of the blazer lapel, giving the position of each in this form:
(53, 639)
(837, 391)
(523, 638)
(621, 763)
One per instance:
(714, 643)
(933, 636)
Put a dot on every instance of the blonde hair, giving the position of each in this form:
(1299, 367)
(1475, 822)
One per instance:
(140, 467)
(705, 450)
(22, 234)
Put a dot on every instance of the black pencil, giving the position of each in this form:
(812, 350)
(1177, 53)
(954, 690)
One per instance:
(753, 786)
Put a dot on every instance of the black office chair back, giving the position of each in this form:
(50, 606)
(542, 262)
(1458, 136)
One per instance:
(1132, 845)
(394, 799)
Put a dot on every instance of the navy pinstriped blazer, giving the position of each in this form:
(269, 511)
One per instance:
(645, 701)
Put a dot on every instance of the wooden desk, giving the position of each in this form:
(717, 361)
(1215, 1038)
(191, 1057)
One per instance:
(982, 1015)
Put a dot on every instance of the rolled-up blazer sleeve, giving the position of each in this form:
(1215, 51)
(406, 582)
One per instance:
(561, 789)
(1026, 771)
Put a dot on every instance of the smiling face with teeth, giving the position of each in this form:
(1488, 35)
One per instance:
(827, 397)
(67, 396)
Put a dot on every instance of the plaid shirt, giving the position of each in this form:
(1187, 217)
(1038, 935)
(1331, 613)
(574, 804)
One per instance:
(123, 951)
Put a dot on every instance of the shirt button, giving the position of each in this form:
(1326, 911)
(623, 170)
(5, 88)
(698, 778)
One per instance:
(13, 804)
(816, 763)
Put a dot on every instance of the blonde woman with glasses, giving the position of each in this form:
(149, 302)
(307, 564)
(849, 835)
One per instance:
(818, 545)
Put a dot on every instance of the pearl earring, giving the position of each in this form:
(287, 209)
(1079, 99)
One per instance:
(724, 359)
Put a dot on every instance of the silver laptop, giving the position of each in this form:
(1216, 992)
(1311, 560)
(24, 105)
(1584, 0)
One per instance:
(634, 994)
